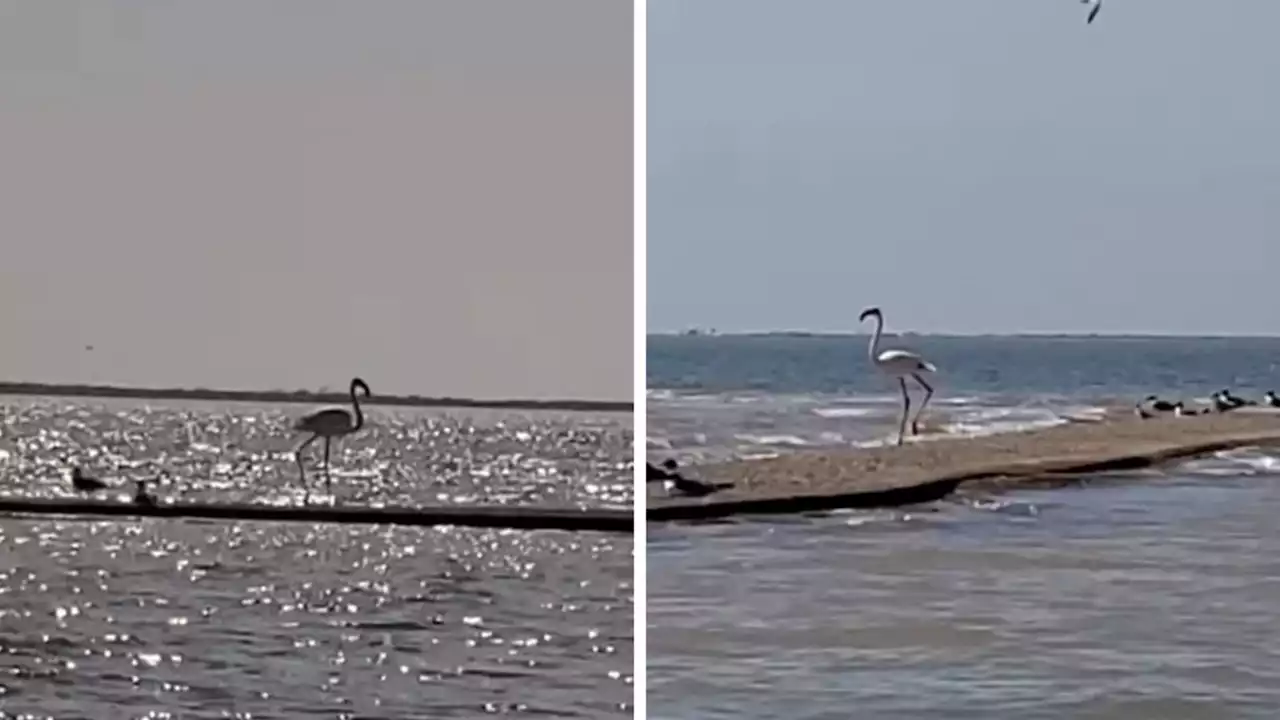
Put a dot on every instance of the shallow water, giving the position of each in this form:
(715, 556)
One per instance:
(1145, 597)
(1150, 598)
(116, 619)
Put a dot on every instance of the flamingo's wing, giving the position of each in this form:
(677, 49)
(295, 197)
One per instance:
(328, 419)
(905, 361)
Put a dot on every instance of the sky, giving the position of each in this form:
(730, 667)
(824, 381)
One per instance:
(995, 166)
(435, 196)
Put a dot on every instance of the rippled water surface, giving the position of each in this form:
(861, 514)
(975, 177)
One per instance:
(208, 619)
(1152, 598)
(1147, 598)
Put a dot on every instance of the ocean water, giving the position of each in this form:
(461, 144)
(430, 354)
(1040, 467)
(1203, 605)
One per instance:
(1146, 596)
(172, 618)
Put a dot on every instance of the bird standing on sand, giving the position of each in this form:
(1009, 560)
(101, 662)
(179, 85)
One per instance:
(1220, 403)
(899, 364)
(1234, 401)
(672, 480)
(1270, 399)
(84, 483)
(1159, 405)
(140, 496)
(1096, 5)
(330, 423)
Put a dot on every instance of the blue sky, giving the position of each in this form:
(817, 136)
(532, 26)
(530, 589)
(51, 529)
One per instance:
(988, 166)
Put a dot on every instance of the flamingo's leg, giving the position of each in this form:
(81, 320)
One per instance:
(906, 408)
(302, 474)
(327, 479)
(928, 393)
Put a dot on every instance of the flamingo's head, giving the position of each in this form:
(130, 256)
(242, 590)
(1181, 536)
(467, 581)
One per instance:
(869, 312)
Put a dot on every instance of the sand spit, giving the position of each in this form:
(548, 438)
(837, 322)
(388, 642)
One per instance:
(925, 471)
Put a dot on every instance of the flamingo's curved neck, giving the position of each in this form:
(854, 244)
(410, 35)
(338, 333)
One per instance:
(355, 405)
(874, 348)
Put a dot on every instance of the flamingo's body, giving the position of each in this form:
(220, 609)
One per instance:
(84, 483)
(1093, 11)
(899, 364)
(330, 423)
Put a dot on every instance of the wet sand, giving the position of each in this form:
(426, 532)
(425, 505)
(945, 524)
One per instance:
(928, 470)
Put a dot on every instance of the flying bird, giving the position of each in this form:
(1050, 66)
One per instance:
(1096, 5)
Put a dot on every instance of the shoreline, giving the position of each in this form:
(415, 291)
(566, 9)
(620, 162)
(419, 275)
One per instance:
(303, 397)
(811, 481)
(478, 516)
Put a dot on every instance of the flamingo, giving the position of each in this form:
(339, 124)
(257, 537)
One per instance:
(899, 364)
(330, 423)
(1093, 11)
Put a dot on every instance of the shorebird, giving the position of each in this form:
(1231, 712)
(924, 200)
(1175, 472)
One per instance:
(899, 364)
(140, 496)
(1235, 401)
(673, 480)
(1181, 411)
(1220, 403)
(330, 423)
(1093, 11)
(1159, 405)
(1270, 399)
(84, 483)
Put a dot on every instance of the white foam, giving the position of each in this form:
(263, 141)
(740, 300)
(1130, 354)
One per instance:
(833, 413)
(772, 440)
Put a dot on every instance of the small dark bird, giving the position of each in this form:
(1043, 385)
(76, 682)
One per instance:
(140, 496)
(84, 483)
(653, 473)
(673, 480)
(1160, 405)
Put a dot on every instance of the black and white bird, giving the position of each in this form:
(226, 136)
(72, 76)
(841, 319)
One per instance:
(1094, 7)
(673, 481)
(1219, 403)
(1159, 405)
(1270, 399)
(1181, 410)
(1235, 401)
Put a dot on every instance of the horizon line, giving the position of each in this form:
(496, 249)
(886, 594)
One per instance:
(302, 396)
(916, 333)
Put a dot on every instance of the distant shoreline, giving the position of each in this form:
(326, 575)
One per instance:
(303, 396)
(803, 334)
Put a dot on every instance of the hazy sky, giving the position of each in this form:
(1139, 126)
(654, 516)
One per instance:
(433, 195)
(986, 166)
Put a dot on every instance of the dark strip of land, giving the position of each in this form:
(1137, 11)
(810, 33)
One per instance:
(927, 471)
(521, 518)
(304, 396)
